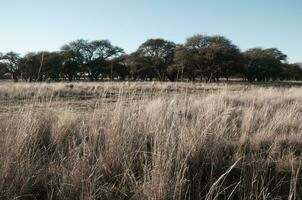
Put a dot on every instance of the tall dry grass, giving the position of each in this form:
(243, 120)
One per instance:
(150, 141)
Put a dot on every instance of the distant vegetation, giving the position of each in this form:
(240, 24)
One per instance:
(200, 58)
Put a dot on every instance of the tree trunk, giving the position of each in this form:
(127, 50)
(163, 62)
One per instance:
(15, 77)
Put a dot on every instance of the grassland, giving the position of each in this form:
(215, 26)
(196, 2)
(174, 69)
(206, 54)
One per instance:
(140, 140)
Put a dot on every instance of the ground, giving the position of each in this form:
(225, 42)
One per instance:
(153, 140)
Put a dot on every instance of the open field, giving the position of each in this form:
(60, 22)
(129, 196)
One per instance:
(150, 140)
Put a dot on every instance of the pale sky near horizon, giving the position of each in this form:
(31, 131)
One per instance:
(35, 25)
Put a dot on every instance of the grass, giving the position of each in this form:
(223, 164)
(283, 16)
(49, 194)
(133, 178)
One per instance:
(150, 141)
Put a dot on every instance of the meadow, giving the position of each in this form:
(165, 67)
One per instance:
(150, 140)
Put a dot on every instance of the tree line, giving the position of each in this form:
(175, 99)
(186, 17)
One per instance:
(200, 58)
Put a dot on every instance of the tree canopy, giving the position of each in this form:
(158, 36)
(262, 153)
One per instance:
(200, 57)
(91, 56)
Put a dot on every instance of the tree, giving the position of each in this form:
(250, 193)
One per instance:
(158, 53)
(69, 69)
(263, 64)
(29, 66)
(92, 56)
(41, 66)
(11, 61)
(291, 72)
(183, 65)
(52, 65)
(117, 67)
(201, 57)
(213, 56)
(140, 67)
(3, 70)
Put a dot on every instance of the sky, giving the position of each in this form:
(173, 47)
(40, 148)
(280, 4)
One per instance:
(36, 25)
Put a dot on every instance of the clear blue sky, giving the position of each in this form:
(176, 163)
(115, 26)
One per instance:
(34, 25)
